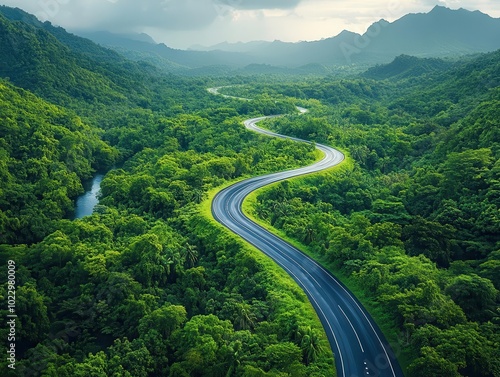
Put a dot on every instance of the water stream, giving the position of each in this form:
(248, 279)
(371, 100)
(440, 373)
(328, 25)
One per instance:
(86, 202)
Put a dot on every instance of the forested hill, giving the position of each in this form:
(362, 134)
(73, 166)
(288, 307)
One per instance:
(415, 225)
(405, 66)
(46, 152)
(147, 285)
(455, 89)
(77, 44)
(63, 68)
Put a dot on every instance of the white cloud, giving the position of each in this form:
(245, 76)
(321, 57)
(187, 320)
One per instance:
(260, 4)
(181, 23)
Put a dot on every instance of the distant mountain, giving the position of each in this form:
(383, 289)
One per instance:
(405, 66)
(163, 55)
(231, 47)
(107, 38)
(141, 37)
(327, 51)
(440, 33)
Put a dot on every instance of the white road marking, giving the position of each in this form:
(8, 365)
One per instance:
(332, 158)
(355, 333)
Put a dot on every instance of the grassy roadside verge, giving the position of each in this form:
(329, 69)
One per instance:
(385, 323)
(286, 295)
(206, 205)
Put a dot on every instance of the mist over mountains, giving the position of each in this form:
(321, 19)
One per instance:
(442, 32)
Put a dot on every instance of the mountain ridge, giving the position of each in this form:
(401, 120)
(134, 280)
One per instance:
(384, 36)
(440, 33)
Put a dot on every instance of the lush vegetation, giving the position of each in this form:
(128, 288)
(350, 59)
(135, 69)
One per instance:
(148, 285)
(415, 225)
(46, 152)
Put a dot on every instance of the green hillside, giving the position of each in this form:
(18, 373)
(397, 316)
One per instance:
(46, 152)
(147, 285)
(68, 70)
(414, 228)
(38, 62)
(405, 66)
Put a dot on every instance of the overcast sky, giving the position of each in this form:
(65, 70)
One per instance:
(183, 23)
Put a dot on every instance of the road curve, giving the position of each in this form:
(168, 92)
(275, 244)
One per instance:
(359, 347)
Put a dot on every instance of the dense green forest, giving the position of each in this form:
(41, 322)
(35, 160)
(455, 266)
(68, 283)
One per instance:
(46, 152)
(149, 285)
(415, 224)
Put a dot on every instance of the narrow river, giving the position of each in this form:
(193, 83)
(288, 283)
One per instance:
(86, 202)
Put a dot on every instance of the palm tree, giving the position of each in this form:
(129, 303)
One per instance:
(190, 255)
(310, 344)
(198, 196)
(245, 318)
(261, 211)
(310, 233)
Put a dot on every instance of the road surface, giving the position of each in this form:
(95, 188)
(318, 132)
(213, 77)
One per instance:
(359, 346)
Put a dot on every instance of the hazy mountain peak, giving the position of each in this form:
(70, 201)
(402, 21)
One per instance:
(438, 33)
(109, 38)
(17, 14)
(440, 8)
(142, 37)
(345, 33)
(377, 25)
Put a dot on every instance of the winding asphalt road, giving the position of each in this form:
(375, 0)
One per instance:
(360, 348)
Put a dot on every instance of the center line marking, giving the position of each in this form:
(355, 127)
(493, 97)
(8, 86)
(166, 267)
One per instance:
(355, 333)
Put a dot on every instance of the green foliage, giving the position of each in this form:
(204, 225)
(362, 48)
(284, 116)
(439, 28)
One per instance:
(475, 295)
(405, 66)
(147, 286)
(416, 223)
(46, 152)
(144, 286)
